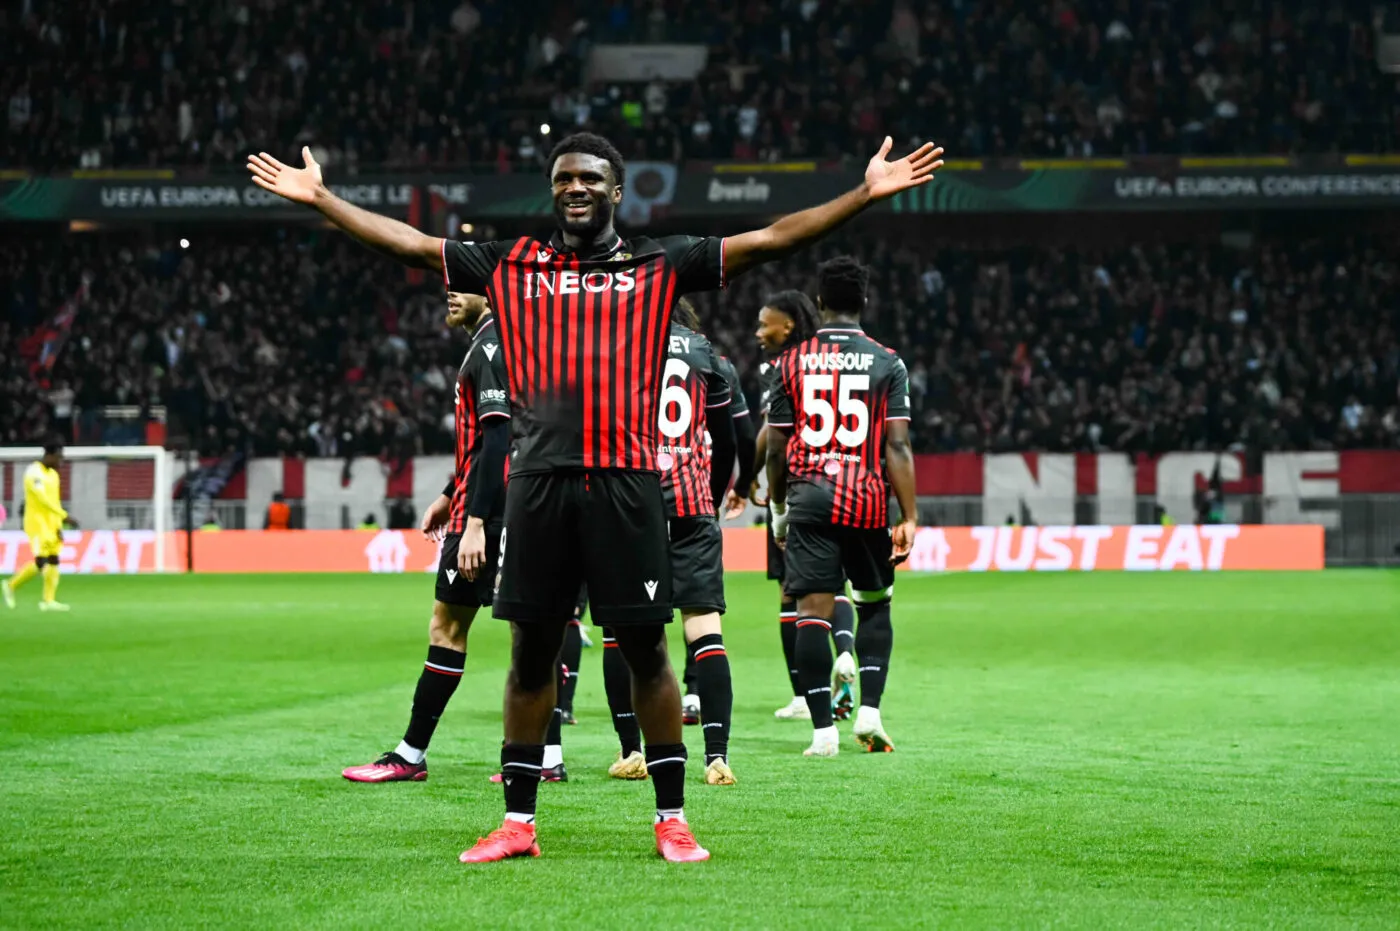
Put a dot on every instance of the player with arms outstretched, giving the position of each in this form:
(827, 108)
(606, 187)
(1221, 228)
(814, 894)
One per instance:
(467, 518)
(840, 405)
(44, 518)
(584, 316)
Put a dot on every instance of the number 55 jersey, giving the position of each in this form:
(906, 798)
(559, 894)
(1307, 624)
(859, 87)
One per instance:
(835, 392)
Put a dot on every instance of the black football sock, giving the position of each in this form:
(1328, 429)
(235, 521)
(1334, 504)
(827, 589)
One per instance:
(874, 644)
(666, 766)
(520, 777)
(716, 691)
(814, 660)
(571, 656)
(436, 683)
(617, 682)
(552, 734)
(688, 679)
(787, 626)
(843, 626)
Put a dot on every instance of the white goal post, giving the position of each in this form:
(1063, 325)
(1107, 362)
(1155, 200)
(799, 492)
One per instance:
(110, 488)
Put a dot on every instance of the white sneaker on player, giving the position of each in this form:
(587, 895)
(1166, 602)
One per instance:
(825, 742)
(795, 710)
(53, 606)
(8, 592)
(845, 669)
(870, 733)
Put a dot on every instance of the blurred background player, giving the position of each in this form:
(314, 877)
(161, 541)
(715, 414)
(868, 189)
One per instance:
(840, 402)
(44, 518)
(787, 319)
(467, 519)
(696, 458)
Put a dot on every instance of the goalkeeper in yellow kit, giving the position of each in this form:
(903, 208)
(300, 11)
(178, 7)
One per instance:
(44, 518)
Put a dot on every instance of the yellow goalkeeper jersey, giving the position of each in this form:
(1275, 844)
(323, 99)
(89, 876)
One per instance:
(43, 501)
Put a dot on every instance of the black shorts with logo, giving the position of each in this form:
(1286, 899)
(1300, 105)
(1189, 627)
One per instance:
(820, 557)
(453, 588)
(605, 528)
(697, 564)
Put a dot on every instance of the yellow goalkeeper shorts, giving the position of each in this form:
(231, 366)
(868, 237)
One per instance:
(46, 545)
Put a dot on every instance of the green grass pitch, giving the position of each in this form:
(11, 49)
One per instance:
(1100, 750)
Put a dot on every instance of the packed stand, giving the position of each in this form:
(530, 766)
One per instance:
(437, 83)
(292, 342)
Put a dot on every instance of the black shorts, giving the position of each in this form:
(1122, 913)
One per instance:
(820, 557)
(453, 588)
(697, 564)
(605, 528)
(775, 556)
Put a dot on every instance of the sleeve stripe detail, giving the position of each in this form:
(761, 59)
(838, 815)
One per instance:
(774, 423)
(484, 414)
(722, 283)
(897, 417)
(724, 403)
(442, 250)
(741, 413)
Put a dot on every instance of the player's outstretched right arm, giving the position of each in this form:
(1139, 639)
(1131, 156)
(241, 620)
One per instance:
(305, 186)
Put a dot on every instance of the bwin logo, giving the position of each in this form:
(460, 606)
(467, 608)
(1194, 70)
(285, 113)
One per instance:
(538, 284)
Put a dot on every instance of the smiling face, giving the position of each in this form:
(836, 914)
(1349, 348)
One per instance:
(585, 194)
(773, 329)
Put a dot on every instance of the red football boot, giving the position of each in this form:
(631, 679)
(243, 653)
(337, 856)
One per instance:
(676, 843)
(388, 768)
(511, 839)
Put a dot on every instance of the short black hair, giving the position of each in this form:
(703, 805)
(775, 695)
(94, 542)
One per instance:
(800, 309)
(53, 445)
(841, 285)
(588, 144)
(685, 315)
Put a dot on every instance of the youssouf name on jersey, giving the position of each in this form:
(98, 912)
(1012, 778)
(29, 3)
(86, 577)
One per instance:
(836, 361)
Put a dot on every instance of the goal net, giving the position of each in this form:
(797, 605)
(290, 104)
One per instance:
(118, 495)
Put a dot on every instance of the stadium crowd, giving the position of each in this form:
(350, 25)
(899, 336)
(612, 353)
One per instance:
(294, 342)
(424, 83)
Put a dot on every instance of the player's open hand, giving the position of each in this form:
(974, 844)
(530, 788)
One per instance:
(759, 501)
(885, 179)
(734, 505)
(295, 184)
(471, 553)
(903, 539)
(434, 523)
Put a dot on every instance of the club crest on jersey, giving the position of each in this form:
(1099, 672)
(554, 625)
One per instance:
(538, 284)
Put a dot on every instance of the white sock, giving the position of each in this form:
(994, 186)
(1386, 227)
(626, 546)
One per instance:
(553, 756)
(517, 816)
(670, 814)
(868, 719)
(825, 735)
(411, 754)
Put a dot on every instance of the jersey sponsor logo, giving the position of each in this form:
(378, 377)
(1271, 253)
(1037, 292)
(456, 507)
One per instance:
(836, 361)
(489, 349)
(491, 394)
(538, 284)
(651, 589)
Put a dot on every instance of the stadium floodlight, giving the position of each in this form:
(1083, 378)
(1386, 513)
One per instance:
(112, 488)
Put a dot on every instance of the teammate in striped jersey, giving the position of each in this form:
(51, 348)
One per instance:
(787, 319)
(841, 408)
(696, 458)
(466, 518)
(584, 317)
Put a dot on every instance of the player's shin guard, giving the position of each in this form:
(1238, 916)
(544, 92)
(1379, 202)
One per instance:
(666, 766)
(787, 626)
(520, 777)
(439, 679)
(716, 690)
(814, 661)
(617, 682)
(843, 625)
(570, 657)
(874, 644)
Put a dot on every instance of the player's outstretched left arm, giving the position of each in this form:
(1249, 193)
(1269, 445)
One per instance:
(899, 465)
(883, 180)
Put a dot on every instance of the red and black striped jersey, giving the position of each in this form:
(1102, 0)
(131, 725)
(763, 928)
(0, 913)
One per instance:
(584, 337)
(835, 392)
(691, 386)
(481, 394)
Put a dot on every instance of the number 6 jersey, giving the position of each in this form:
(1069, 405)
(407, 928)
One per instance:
(693, 384)
(835, 392)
